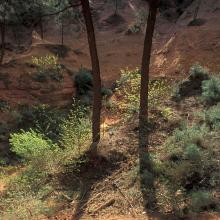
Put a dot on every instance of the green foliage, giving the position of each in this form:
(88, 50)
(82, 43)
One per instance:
(211, 117)
(58, 50)
(192, 85)
(5, 78)
(30, 144)
(3, 105)
(198, 72)
(42, 118)
(106, 92)
(134, 28)
(84, 84)
(211, 90)
(44, 162)
(83, 81)
(47, 66)
(128, 92)
(201, 200)
(76, 132)
(140, 20)
(186, 172)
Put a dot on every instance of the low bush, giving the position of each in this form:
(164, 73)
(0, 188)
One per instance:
(58, 50)
(76, 132)
(128, 92)
(35, 183)
(47, 67)
(5, 78)
(42, 118)
(211, 91)
(83, 81)
(3, 105)
(211, 117)
(187, 178)
(192, 85)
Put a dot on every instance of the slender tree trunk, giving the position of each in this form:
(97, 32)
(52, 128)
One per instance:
(146, 166)
(62, 34)
(97, 98)
(2, 27)
(197, 10)
(143, 115)
(41, 29)
(116, 7)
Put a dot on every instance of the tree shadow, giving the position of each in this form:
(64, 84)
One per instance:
(88, 174)
(146, 169)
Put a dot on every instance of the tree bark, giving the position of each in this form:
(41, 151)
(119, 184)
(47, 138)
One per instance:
(196, 10)
(143, 115)
(2, 27)
(97, 98)
(116, 7)
(41, 28)
(62, 34)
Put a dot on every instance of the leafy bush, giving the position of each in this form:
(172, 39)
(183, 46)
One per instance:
(38, 151)
(76, 132)
(201, 200)
(140, 21)
(211, 90)
(211, 117)
(5, 78)
(83, 81)
(58, 50)
(192, 85)
(128, 92)
(185, 172)
(47, 66)
(23, 207)
(42, 118)
(30, 144)
(3, 105)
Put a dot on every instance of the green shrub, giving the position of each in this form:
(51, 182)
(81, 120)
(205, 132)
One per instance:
(198, 72)
(23, 207)
(42, 118)
(38, 151)
(47, 66)
(5, 78)
(76, 132)
(211, 117)
(106, 92)
(186, 175)
(3, 105)
(83, 81)
(211, 91)
(128, 92)
(58, 50)
(201, 200)
(192, 85)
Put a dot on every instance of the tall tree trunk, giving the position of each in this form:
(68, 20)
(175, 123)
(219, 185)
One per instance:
(62, 34)
(97, 98)
(2, 27)
(196, 10)
(116, 7)
(41, 29)
(143, 115)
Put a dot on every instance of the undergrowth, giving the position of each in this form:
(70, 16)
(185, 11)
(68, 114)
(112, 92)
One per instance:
(47, 68)
(128, 89)
(43, 160)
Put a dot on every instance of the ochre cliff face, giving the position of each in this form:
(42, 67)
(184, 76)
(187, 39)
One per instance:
(17, 86)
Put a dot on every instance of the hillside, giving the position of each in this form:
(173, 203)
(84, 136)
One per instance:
(48, 167)
(176, 47)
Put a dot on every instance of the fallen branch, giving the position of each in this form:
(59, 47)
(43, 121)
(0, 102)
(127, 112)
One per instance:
(107, 204)
(115, 186)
